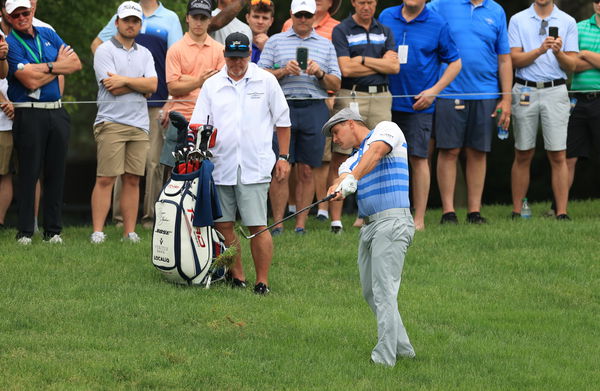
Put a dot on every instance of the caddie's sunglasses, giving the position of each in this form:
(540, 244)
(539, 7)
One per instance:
(240, 48)
(303, 14)
(267, 2)
(544, 25)
(17, 15)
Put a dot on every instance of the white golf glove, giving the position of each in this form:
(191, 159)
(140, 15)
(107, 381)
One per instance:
(348, 185)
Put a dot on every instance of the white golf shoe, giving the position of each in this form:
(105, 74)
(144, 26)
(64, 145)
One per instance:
(54, 239)
(97, 237)
(131, 237)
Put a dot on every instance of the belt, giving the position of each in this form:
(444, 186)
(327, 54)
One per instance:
(398, 212)
(303, 103)
(540, 84)
(587, 95)
(38, 105)
(370, 89)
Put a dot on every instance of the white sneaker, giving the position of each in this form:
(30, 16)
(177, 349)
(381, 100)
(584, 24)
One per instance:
(98, 237)
(25, 241)
(131, 237)
(56, 239)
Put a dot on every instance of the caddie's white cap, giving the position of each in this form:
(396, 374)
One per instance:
(304, 5)
(12, 5)
(129, 8)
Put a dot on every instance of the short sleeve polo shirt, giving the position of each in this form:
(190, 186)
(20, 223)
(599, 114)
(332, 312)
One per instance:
(351, 40)
(589, 39)
(50, 43)
(429, 45)
(523, 32)
(128, 109)
(481, 36)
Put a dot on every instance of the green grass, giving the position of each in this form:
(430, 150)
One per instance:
(507, 306)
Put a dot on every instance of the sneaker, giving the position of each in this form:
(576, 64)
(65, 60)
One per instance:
(98, 237)
(54, 239)
(235, 282)
(261, 289)
(277, 231)
(119, 224)
(336, 229)
(322, 217)
(299, 231)
(148, 224)
(563, 217)
(449, 218)
(131, 237)
(475, 218)
(24, 240)
(515, 216)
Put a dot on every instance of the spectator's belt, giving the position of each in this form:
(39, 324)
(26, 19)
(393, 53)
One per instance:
(370, 89)
(303, 102)
(587, 95)
(38, 105)
(540, 84)
(398, 212)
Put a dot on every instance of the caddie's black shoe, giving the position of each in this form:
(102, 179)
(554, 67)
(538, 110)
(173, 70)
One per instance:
(563, 217)
(261, 289)
(515, 216)
(236, 283)
(449, 218)
(476, 218)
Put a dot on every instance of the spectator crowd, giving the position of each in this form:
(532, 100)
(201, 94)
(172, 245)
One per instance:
(451, 74)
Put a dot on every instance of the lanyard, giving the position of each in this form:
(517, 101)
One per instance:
(37, 59)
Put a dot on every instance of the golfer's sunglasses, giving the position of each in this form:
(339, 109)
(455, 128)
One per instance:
(544, 25)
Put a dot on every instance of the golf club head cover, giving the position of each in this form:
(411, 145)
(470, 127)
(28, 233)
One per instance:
(192, 135)
(348, 185)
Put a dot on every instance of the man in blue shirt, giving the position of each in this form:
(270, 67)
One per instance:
(465, 117)
(424, 43)
(306, 90)
(378, 173)
(41, 127)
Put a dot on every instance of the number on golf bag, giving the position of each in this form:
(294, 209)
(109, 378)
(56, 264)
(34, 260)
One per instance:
(183, 253)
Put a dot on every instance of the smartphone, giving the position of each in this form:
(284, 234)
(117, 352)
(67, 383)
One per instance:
(553, 31)
(302, 57)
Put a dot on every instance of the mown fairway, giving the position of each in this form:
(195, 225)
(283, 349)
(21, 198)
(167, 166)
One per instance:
(507, 306)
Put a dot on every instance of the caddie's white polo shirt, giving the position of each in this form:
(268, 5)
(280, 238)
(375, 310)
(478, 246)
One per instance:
(127, 109)
(245, 114)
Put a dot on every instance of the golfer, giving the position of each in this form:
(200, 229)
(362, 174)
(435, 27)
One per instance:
(378, 170)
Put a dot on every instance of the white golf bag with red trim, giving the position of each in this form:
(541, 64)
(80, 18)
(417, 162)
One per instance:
(183, 253)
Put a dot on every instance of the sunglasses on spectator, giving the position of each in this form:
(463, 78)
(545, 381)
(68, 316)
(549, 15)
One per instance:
(305, 15)
(267, 2)
(17, 15)
(240, 48)
(544, 25)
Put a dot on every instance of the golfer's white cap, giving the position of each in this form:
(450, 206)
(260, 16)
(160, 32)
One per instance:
(129, 8)
(304, 5)
(12, 5)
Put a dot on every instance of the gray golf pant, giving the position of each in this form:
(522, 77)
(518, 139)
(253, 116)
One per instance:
(383, 245)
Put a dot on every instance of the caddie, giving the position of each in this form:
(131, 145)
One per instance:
(378, 173)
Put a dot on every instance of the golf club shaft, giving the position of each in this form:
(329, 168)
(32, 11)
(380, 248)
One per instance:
(330, 196)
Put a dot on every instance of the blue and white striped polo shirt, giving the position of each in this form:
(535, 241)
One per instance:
(281, 49)
(386, 185)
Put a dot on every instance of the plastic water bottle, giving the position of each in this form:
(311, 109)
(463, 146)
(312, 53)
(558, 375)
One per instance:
(502, 133)
(525, 210)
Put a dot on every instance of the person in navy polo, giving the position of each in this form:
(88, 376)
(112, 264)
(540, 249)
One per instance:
(37, 57)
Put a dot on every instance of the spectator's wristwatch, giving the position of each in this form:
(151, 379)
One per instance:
(50, 67)
(284, 156)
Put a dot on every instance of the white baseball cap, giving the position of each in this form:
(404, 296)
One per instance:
(304, 5)
(12, 5)
(129, 8)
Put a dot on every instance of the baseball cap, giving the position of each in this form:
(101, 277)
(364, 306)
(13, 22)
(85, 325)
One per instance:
(200, 7)
(12, 5)
(303, 5)
(342, 116)
(237, 45)
(129, 8)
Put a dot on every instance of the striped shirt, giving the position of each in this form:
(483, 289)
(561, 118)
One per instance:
(589, 39)
(281, 49)
(386, 185)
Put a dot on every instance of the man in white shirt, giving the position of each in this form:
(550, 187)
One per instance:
(245, 104)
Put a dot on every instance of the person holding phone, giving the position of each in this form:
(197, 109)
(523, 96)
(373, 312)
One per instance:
(542, 63)
(285, 55)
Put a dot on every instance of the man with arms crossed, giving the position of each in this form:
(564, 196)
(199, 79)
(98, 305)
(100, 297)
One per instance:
(125, 73)
(425, 36)
(378, 173)
(245, 104)
(540, 92)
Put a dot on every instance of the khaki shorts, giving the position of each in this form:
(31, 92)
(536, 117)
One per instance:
(250, 200)
(6, 148)
(121, 149)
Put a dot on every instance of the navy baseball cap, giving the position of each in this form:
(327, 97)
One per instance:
(237, 45)
(200, 7)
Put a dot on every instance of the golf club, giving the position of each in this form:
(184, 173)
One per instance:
(330, 196)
